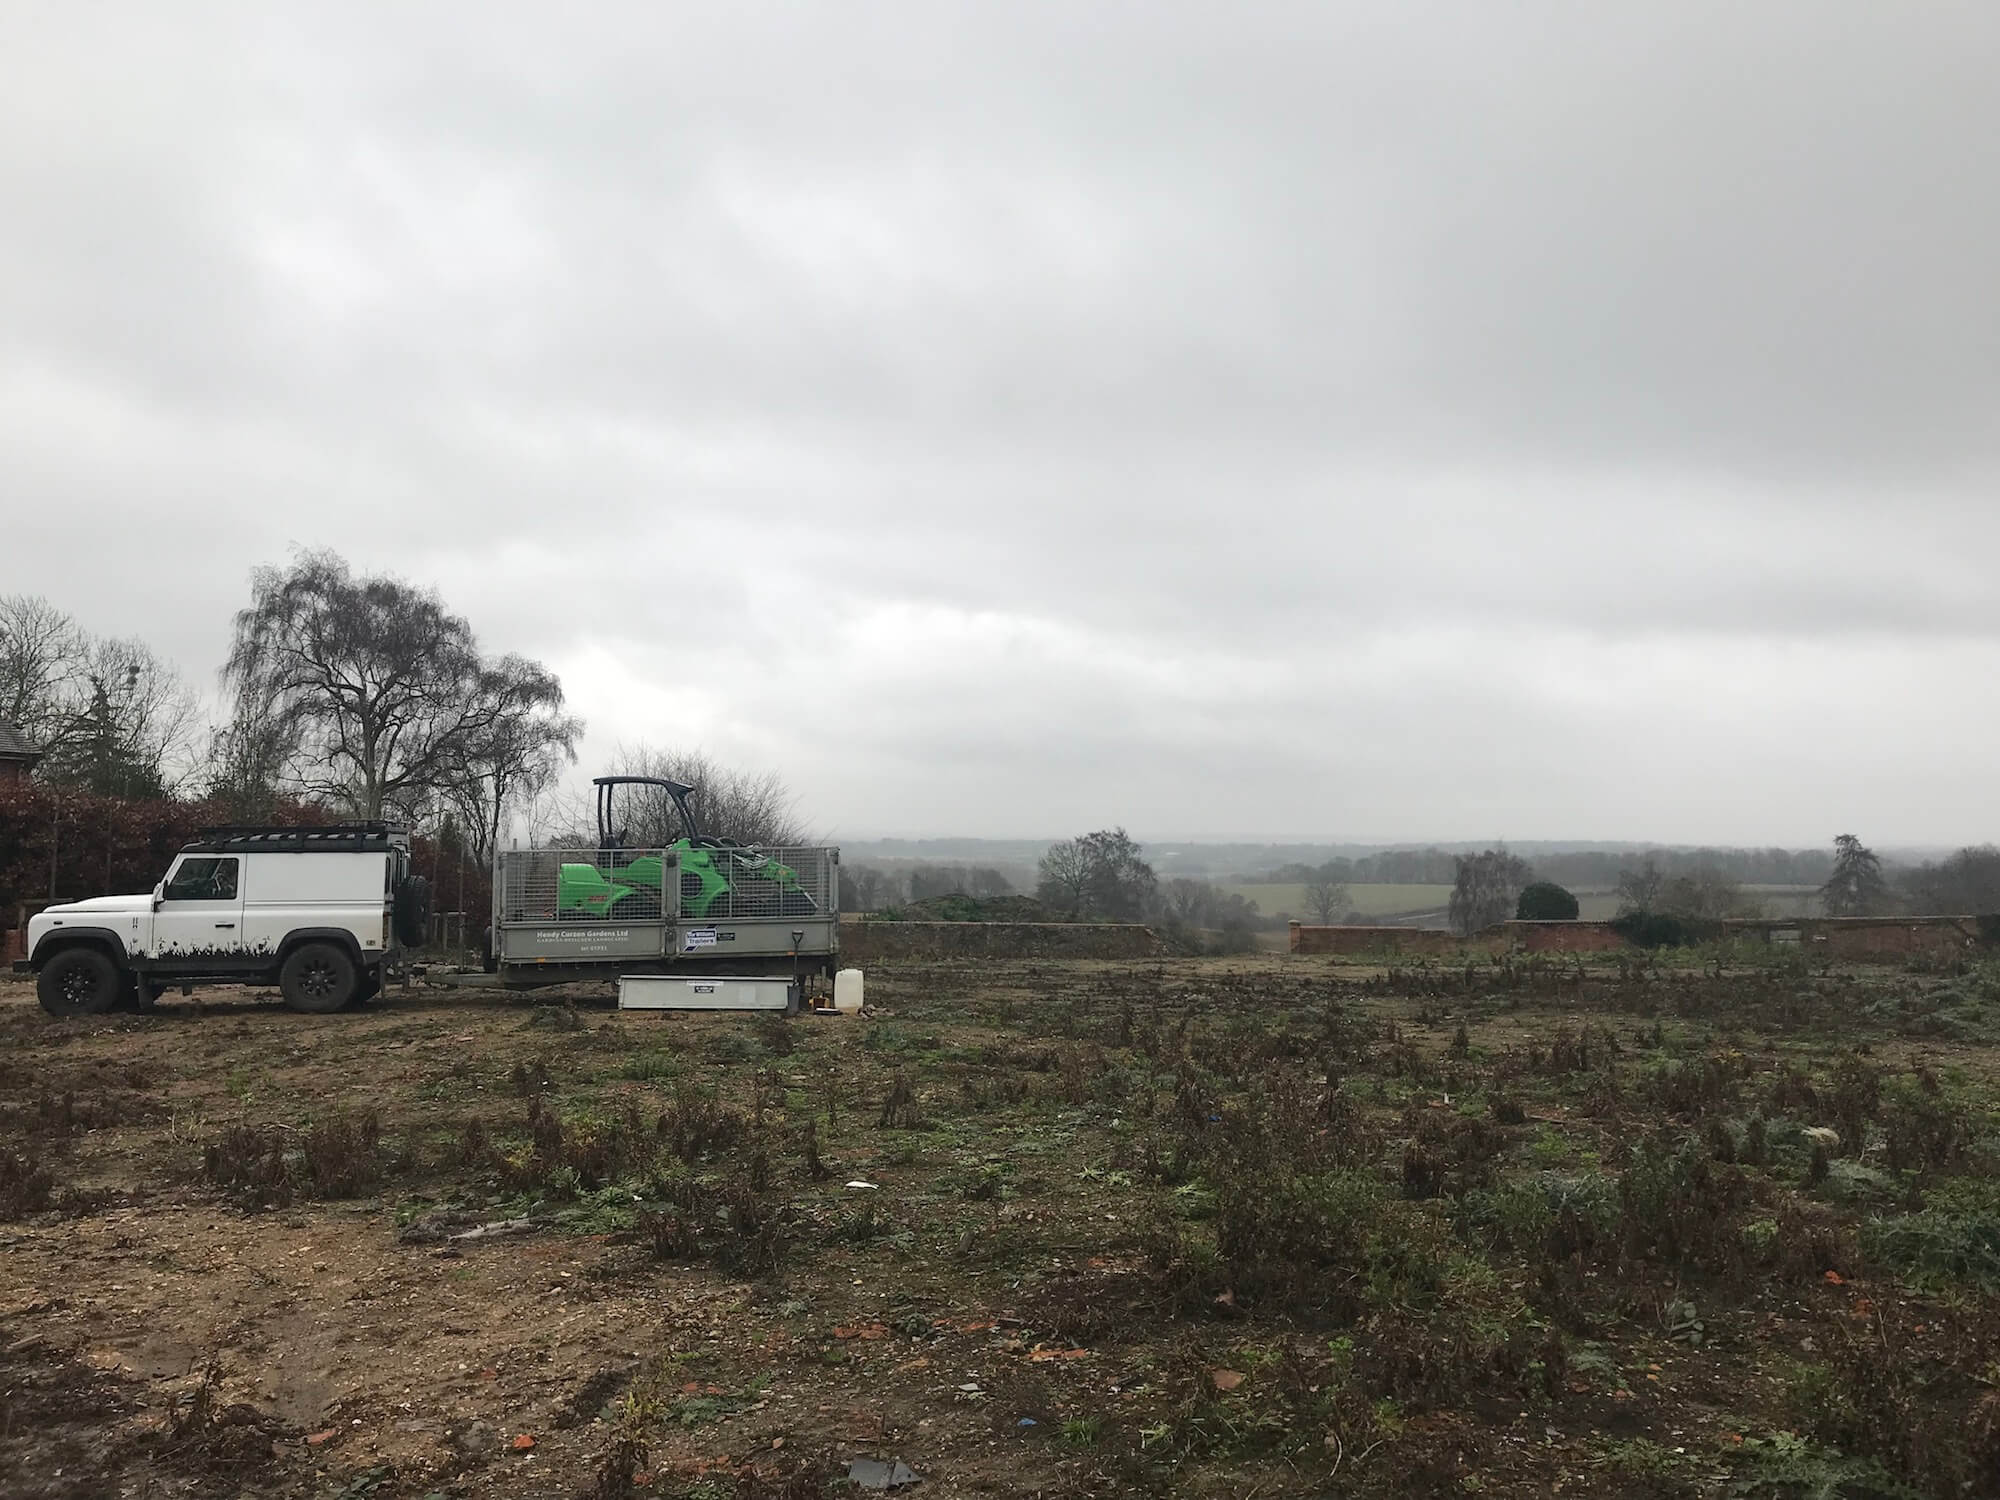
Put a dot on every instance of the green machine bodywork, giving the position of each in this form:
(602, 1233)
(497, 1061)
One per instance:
(706, 876)
(708, 869)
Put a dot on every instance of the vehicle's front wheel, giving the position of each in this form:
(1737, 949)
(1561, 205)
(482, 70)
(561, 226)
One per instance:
(318, 978)
(79, 982)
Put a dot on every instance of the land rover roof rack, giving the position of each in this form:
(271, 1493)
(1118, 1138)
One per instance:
(330, 838)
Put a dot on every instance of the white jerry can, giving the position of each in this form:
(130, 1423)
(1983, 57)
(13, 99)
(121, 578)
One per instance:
(847, 991)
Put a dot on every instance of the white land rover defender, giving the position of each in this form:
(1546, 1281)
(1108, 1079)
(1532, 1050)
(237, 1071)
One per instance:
(322, 912)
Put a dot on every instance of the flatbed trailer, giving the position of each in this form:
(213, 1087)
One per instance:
(564, 915)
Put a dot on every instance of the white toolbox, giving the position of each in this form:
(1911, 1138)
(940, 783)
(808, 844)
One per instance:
(705, 992)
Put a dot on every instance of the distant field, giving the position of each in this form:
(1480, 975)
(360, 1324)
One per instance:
(1400, 900)
(1786, 900)
(1372, 900)
(1773, 900)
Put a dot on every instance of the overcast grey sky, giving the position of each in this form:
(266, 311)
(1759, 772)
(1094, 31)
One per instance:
(1366, 421)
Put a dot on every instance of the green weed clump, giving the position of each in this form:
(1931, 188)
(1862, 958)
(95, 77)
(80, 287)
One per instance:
(577, 1155)
(1678, 1205)
(1925, 1130)
(1554, 1216)
(1787, 1466)
(1937, 1249)
(1912, 1397)
(1336, 1240)
(1691, 1087)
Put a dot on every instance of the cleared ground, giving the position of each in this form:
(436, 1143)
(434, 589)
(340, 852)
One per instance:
(1268, 1226)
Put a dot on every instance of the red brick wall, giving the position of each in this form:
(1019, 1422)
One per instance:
(1390, 940)
(1561, 937)
(1869, 937)
(1884, 938)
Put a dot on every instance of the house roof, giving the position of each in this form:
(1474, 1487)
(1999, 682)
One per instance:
(14, 745)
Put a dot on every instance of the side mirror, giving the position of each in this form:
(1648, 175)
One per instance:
(159, 895)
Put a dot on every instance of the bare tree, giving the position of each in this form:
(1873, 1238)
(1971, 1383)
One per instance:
(752, 807)
(1640, 890)
(1064, 877)
(1189, 903)
(867, 888)
(375, 691)
(1326, 898)
(1487, 889)
(1705, 893)
(518, 743)
(1101, 874)
(107, 713)
(131, 729)
(247, 756)
(42, 656)
(1966, 883)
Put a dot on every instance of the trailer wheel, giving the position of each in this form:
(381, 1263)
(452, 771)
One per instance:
(79, 982)
(318, 978)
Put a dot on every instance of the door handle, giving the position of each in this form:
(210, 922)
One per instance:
(225, 924)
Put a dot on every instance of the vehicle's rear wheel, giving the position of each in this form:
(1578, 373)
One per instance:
(318, 978)
(413, 911)
(79, 982)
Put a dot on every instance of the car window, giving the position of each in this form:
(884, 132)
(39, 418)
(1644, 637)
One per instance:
(203, 880)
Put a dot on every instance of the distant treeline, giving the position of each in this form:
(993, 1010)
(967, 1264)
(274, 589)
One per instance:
(1588, 869)
(871, 887)
(1708, 882)
(1132, 892)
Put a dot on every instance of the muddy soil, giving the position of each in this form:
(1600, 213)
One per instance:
(464, 1244)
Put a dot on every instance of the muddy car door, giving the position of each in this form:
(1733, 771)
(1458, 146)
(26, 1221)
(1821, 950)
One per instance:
(200, 913)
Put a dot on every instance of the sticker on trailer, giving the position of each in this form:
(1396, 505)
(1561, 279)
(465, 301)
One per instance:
(700, 937)
(592, 936)
(700, 988)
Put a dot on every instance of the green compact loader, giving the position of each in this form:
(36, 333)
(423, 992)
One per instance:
(715, 877)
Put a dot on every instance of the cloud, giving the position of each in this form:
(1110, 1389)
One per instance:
(1270, 419)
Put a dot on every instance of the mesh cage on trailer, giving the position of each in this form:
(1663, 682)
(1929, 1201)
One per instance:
(747, 885)
(544, 886)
